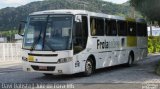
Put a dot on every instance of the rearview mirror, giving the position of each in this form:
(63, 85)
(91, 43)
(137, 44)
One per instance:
(21, 25)
(78, 18)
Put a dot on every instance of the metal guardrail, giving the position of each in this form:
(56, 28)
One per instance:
(10, 52)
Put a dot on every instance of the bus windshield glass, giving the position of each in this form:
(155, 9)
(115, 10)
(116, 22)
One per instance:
(48, 33)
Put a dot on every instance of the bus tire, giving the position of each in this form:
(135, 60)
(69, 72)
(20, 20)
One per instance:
(89, 67)
(130, 60)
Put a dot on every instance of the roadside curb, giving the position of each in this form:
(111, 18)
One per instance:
(10, 63)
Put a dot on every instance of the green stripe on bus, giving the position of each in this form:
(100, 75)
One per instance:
(131, 41)
(130, 19)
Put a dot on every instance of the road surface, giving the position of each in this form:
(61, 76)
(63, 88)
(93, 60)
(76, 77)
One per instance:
(142, 72)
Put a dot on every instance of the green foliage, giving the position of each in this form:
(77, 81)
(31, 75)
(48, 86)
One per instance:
(9, 34)
(154, 44)
(148, 8)
(150, 46)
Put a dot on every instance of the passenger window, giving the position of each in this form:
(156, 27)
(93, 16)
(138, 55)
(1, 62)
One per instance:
(111, 27)
(145, 29)
(131, 29)
(141, 29)
(97, 26)
(122, 28)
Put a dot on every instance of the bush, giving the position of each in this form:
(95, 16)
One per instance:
(154, 44)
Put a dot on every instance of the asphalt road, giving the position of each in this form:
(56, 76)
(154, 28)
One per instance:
(142, 72)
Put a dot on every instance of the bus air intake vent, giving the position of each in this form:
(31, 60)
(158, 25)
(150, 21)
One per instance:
(47, 68)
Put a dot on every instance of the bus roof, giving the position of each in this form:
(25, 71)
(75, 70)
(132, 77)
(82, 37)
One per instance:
(85, 12)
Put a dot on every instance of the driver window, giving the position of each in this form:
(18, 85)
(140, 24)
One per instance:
(80, 35)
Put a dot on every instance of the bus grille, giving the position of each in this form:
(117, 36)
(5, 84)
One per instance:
(49, 68)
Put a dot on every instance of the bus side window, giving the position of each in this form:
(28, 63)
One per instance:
(122, 28)
(93, 29)
(97, 26)
(141, 29)
(112, 28)
(145, 30)
(80, 35)
(131, 29)
(106, 27)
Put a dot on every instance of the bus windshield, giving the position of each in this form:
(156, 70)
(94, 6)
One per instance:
(48, 32)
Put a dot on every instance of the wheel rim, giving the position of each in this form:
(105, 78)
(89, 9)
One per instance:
(89, 67)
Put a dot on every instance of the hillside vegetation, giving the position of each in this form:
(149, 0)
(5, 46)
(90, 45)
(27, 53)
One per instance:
(10, 16)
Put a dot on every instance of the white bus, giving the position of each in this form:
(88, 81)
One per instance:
(73, 41)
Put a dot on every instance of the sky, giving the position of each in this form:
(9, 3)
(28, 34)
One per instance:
(15, 3)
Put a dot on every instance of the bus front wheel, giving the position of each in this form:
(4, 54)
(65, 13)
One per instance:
(89, 67)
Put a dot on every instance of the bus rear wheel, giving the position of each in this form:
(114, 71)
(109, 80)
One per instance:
(89, 67)
(130, 60)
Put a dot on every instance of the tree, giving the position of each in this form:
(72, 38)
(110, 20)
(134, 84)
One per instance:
(148, 8)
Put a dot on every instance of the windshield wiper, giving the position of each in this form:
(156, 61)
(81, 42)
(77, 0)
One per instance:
(36, 42)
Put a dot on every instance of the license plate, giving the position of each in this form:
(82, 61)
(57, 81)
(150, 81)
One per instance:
(43, 67)
(30, 58)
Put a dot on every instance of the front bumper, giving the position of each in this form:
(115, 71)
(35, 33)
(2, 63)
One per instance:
(56, 69)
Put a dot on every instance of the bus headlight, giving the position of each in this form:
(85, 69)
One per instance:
(64, 60)
(24, 58)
